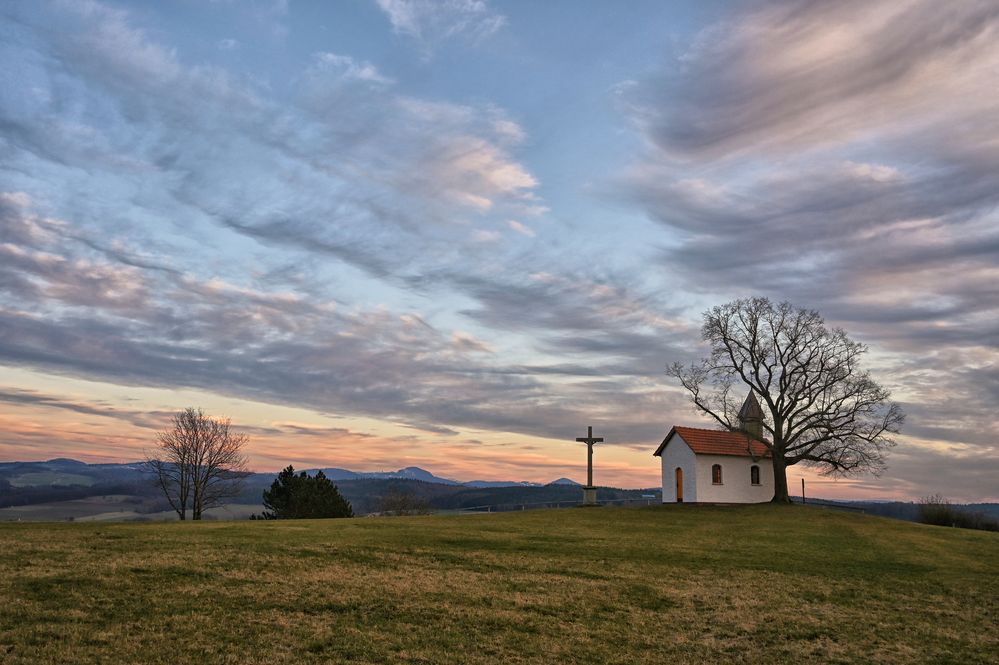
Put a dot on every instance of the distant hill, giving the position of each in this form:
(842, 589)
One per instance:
(500, 483)
(65, 462)
(83, 474)
(564, 481)
(62, 488)
(416, 473)
(410, 472)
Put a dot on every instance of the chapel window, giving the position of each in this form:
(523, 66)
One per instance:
(716, 476)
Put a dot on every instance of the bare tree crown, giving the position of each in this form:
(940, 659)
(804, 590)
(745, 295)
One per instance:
(199, 462)
(819, 406)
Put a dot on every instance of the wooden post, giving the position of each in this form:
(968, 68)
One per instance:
(802, 490)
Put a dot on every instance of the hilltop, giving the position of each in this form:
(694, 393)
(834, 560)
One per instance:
(689, 584)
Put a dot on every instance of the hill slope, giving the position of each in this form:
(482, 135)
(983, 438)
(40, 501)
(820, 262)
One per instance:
(758, 584)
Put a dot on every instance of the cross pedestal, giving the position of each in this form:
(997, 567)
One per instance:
(589, 491)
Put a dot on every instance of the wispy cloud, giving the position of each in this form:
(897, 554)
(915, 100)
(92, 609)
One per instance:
(521, 228)
(430, 22)
(791, 76)
(166, 329)
(842, 155)
(344, 67)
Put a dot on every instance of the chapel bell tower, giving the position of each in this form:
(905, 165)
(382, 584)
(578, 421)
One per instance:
(751, 416)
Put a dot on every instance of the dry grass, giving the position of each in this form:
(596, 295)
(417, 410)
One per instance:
(760, 584)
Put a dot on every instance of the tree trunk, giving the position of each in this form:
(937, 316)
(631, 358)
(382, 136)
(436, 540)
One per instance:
(780, 479)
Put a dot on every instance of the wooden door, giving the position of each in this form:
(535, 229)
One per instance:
(679, 485)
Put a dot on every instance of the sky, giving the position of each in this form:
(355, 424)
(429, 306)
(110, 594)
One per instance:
(383, 233)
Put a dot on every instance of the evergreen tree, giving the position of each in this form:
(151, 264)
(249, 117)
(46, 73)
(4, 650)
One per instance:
(301, 496)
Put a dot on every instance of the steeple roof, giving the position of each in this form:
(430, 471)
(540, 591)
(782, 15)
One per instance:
(750, 409)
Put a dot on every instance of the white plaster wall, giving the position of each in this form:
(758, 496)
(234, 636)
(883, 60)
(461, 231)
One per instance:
(679, 454)
(736, 486)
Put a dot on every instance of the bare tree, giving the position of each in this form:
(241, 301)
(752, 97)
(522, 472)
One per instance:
(199, 462)
(819, 407)
(398, 503)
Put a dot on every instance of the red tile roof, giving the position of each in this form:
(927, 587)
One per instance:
(716, 442)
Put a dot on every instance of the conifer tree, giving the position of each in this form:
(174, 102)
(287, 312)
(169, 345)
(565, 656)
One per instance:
(301, 496)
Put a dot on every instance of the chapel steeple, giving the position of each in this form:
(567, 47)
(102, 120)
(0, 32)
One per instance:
(751, 416)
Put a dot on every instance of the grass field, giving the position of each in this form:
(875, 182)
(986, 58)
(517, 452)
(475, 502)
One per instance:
(755, 584)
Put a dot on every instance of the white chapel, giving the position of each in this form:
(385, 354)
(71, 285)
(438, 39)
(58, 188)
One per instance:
(713, 466)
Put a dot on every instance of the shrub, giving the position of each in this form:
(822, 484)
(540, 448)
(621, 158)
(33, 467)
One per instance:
(938, 510)
(400, 503)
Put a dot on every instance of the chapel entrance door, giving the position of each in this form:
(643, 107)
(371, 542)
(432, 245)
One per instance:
(679, 485)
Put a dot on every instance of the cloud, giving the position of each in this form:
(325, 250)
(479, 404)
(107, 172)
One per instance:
(799, 75)
(896, 208)
(842, 155)
(91, 317)
(487, 236)
(430, 22)
(348, 169)
(346, 67)
(145, 420)
(365, 174)
(284, 348)
(520, 228)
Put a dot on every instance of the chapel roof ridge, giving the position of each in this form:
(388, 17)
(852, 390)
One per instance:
(717, 442)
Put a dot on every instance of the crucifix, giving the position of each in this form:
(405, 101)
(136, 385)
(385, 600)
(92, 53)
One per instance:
(589, 492)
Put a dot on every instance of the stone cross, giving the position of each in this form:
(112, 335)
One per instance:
(589, 495)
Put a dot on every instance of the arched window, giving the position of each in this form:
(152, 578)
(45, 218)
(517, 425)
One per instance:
(716, 474)
(754, 474)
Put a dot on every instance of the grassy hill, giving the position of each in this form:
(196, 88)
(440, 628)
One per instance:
(755, 584)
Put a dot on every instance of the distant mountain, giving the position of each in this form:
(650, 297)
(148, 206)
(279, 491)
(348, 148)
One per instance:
(408, 473)
(518, 483)
(334, 473)
(65, 462)
(132, 472)
(500, 483)
(74, 471)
